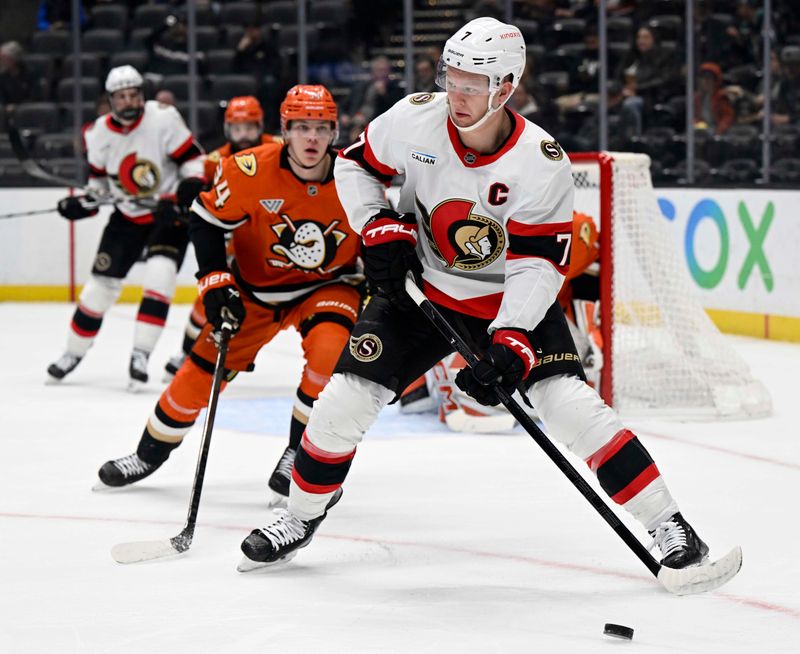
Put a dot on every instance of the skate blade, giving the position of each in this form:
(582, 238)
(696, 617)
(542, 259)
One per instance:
(135, 386)
(248, 565)
(276, 500)
(167, 378)
(704, 577)
(52, 381)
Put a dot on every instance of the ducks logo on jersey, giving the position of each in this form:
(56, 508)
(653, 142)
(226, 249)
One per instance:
(137, 177)
(306, 244)
(460, 238)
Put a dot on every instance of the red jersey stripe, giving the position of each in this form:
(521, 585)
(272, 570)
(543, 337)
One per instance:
(373, 161)
(549, 229)
(484, 306)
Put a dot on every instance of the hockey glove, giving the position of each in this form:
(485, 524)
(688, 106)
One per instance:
(390, 241)
(506, 363)
(76, 207)
(222, 300)
(188, 189)
(168, 213)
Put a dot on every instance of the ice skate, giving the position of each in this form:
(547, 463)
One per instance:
(680, 545)
(61, 368)
(172, 366)
(279, 541)
(280, 479)
(137, 370)
(122, 472)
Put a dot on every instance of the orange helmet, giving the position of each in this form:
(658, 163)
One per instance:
(308, 102)
(244, 109)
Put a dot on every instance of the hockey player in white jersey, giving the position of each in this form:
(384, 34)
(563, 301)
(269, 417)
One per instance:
(484, 225)
(144, 157)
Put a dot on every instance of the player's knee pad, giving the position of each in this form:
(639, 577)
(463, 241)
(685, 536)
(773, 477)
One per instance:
(574, 414)
(345, 409)
(160, 276)
(99, 293)
(322, 346)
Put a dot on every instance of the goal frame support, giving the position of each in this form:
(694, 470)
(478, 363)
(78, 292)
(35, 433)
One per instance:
(604, 161)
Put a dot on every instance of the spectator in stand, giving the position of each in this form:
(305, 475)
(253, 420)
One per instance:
(376, 95)
(254, 54)
(747, 105)
(744, 35)
(425, 75)
(646, 74)
(786, 108)
(15, 80)
(57, 15)
(165, 96)
(712, 106)
(168, 47)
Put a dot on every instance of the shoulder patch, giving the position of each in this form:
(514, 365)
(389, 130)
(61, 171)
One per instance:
(552, 150)
(247, 163)
(214, 156)
(421, 98)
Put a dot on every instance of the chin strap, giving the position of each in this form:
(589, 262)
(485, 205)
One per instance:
(489, 111)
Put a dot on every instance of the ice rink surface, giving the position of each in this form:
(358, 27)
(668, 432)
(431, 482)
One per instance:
(442, 542)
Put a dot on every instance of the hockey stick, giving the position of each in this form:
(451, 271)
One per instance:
(685, 581)
(20, 214)
(27, 162)
(34, 169)
(149, 550)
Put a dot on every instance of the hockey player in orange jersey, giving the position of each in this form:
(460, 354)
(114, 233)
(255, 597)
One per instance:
(295, 265)
(244, 128)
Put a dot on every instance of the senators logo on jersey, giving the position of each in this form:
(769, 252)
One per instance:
(460, 238)
(138, 177)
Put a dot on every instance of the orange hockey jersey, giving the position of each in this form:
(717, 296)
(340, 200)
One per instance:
(213, 158)
(290, 236)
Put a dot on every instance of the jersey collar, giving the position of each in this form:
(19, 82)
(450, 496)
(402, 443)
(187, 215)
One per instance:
(473, 159)
(116, 126)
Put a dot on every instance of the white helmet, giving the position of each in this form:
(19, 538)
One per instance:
(123, 77)
(487, 47)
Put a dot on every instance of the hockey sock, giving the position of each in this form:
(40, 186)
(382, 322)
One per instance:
(83, 329)
(300, 413)
(317, 474)
(150, 320)
(628, 474)
(154, 451)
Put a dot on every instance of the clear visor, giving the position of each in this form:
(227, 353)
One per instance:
(320, 130)
(457, 81)
(243, 131)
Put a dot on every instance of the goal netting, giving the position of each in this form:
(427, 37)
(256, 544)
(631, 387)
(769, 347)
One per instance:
(663, 356)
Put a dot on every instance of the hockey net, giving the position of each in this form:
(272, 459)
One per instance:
(662, 354)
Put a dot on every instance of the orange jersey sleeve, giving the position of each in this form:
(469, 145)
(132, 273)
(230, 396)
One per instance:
(585, 245)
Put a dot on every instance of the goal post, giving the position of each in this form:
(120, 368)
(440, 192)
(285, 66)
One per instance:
(662, 354)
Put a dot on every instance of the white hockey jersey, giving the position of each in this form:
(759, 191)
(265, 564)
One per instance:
(143, 160)
(494, 230)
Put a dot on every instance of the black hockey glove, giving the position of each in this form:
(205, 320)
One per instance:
(188, 189)
(506, 363)
(390, 241)
(168, 213)
(76, 207)
(222, 300)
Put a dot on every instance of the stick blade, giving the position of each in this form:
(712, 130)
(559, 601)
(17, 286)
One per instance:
(702, 578)
(145, 550)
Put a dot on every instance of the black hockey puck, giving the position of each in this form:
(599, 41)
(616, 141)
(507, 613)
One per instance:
(618, 631)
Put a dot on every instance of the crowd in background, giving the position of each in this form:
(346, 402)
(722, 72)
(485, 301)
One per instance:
(356, 49)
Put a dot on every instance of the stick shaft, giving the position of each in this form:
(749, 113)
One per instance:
(533, 430)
